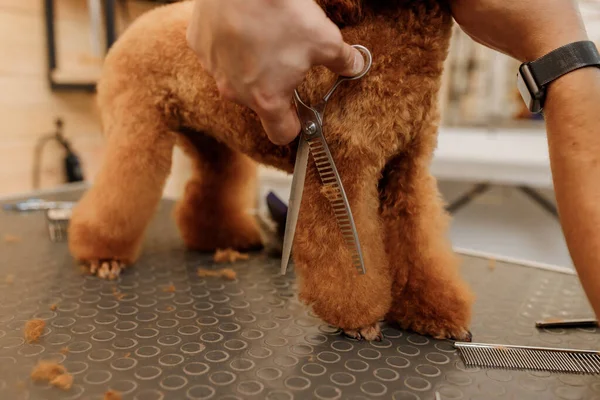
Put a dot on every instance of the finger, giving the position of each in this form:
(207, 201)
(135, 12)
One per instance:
(226, 90)
(281, 124)
(341, 58)
(205, 65)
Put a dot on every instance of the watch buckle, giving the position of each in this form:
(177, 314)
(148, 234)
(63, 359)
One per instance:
(531, 93)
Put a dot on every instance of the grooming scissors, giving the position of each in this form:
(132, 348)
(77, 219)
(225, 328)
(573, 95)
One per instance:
(312, 139)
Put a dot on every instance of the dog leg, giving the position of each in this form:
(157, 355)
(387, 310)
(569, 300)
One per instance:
(429, 297)
(108, 223)
(214, 211)
(337, 292)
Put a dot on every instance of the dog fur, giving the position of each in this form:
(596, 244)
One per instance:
(382, 130)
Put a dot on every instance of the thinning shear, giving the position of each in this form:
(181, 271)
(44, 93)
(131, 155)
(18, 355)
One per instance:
(313, 140)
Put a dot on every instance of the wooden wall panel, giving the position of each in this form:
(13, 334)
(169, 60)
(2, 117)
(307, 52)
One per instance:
(28, 108)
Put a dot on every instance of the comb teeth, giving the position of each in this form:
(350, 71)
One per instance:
(530, 358)
(57, 230)
(58, 223)
(333, 192)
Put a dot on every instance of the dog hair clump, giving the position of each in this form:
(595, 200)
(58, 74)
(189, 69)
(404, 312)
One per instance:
(53, 373)
(33, 330)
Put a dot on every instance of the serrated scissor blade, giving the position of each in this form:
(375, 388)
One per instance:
(334, 191)
(294, 203)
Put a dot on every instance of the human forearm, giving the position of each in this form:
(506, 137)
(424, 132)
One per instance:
(571, 109)
(572, 117)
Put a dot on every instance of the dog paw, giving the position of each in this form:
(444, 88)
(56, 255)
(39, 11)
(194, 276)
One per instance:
(370, 333)
(442, 331)
(461, 335)
(105, 269)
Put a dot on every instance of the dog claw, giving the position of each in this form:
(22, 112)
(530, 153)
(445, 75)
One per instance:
(352, 334)
(115, 270)
(105, 269)
(93, 267)
(468, 337)
(370, 333)
(463, 336)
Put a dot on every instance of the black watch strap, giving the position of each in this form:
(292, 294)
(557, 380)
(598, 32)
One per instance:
(564, 60)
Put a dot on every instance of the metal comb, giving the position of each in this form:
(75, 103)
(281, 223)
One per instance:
(567, 323)
(35, 204)
(58, 223)
(530, 358)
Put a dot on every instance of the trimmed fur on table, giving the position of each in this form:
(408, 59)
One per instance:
(225, 273)
(228, 255)
(154, 95)
(169, 289)
(112, 395)
(53, 373)
(33, 330)
(12, 238)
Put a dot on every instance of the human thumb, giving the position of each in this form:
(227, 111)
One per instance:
(348, 61)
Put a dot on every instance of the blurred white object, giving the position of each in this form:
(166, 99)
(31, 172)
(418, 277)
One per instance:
(498, 156)
(96, 31)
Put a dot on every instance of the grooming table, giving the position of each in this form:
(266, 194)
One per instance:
(251, 338)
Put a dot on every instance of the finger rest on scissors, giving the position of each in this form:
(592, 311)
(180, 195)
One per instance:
(368, 62)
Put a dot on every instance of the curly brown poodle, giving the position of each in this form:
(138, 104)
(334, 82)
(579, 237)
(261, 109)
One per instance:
(382, 131)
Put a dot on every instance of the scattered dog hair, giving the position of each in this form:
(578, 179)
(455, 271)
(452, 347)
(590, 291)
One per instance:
(228, 256)
(53, 373)
(169, 289)
(225, 273)
(331, 192)
(33, 330)
(112, 395)
(118, 295)
(64, 381)
(12, 238)
(47, 370)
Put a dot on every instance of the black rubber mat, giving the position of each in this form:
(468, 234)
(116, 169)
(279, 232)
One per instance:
(251, 338)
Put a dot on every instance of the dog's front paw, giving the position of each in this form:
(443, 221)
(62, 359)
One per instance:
(369, 333)
(440, 330)
(104, 269)
(460, 335)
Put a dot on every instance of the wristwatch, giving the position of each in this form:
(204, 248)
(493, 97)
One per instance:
(534, 76)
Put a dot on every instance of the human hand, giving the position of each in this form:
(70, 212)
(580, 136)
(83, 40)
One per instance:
(258, 52)
(522, 29)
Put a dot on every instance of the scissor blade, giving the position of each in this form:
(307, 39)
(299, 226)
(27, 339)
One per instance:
(336, 195)
(294, 203)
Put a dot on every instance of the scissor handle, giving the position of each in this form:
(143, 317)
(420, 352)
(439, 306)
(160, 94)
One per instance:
(368, 62)
(340, 79)
(307, 115)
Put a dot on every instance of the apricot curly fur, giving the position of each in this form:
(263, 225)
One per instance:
(382, 130)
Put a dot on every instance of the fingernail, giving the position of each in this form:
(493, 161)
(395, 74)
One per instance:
(359, 62)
